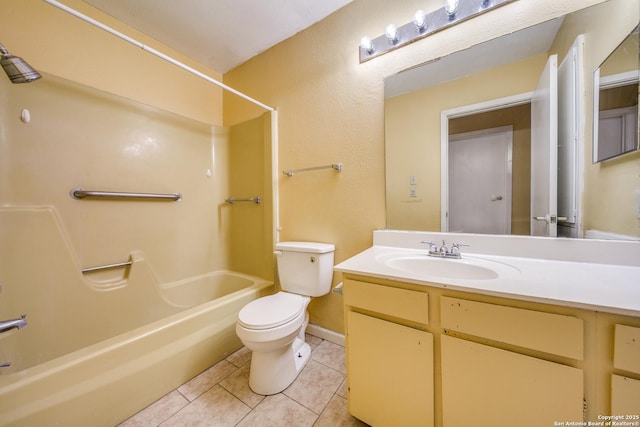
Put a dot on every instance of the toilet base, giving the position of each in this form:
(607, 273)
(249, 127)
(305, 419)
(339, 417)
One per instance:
(274, 371)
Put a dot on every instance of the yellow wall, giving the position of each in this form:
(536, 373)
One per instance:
(79, 137)
(143, 127)
(249, 175)
(331, 109)
(58, 43)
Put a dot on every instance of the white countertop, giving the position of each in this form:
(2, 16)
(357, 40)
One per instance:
(611, 288)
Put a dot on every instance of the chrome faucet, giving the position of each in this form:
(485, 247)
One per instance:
(7, 325)
(444, 252)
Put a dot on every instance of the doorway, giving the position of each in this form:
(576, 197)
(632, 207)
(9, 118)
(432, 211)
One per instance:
(514, 215)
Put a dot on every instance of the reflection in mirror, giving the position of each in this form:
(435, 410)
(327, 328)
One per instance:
(615, 121)
(427, 104)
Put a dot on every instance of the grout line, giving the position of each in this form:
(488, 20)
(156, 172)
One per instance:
(251, 410)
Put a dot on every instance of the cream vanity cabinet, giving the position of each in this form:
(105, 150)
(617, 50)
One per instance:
(505, 366)
(420, 355)
(389, 355)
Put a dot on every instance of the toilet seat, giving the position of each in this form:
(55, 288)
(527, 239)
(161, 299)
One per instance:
(271, 311)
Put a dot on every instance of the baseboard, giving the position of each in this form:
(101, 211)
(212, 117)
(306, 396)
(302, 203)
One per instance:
(325, 334)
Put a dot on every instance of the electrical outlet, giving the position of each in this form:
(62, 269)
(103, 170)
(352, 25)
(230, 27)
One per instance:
(413, 193)
(413, 180)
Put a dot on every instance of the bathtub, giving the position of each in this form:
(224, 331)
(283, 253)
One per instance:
(104, 383)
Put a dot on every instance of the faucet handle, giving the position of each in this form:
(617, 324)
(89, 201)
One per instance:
(455, 248)
(432, 245)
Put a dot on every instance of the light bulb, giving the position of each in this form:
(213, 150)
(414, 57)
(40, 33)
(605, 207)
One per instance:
(420, 20)
(367, 44)
(451, 6)
(392, 33)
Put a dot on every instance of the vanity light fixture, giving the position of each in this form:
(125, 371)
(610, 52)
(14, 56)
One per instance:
(451, 7)
(392, 33)
(367, 45)
(424, 24)
(420, 20)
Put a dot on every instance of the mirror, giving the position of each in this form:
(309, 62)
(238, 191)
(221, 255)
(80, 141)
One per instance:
(615, 100)
(491, 85)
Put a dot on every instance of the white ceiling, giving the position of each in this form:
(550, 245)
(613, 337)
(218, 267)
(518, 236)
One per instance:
(221, 34)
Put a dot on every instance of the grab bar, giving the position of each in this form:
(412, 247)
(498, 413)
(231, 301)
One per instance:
(336, 166)
(106, 267)
(257, 200)
(79, 194)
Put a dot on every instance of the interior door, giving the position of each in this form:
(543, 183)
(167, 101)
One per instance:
(570, 138)
(480, 181)
(544, 152)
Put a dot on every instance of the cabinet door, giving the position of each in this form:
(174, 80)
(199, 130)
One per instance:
(487, 386)
(625, 396)
(390, 370)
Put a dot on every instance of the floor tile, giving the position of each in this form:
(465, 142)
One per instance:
(279, 411)
(240, 357)
(221, 396)
(238, 385)
(332, 355)
(315, 386)
(337, 415)
(203, 382)
(313, 341)
(158, 411)
(342, 390)
(215, 408)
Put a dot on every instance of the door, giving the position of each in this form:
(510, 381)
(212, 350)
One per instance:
(480, 181)
(544, 152)
(488, 386)
(570, 138)
(390, 372)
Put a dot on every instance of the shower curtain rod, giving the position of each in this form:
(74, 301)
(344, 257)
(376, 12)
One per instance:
(154, 52)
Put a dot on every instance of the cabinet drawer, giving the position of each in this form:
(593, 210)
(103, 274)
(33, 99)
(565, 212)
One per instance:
(551, 333)
(626, 348)
(396, 302)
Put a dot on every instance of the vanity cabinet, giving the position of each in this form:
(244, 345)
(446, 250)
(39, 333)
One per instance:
(495, 365)
(421, 355)
(389, 355)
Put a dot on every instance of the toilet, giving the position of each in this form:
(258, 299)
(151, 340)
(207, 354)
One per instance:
(273, 327)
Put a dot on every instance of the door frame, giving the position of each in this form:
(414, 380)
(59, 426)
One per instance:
(465, 110)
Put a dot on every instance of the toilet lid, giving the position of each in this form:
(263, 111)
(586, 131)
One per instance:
(271, 311)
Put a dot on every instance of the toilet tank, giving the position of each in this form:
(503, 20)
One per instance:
(305, 268)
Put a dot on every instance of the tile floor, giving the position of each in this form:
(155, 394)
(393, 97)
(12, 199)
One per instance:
(220, 396)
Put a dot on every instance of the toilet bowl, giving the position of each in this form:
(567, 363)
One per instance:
(273, 327)
(276, 338)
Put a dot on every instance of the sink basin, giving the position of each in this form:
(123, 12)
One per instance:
(467, 268)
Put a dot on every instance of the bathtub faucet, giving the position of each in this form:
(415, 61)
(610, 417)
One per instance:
(7, 325)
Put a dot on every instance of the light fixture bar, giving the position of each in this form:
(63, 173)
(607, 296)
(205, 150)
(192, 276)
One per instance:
(434, 22)
(155, 52)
